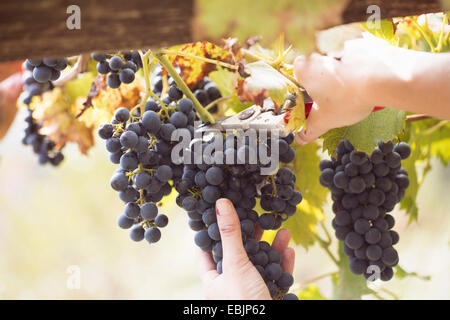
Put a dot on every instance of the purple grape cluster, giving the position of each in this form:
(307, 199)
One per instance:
(142, 146)
(364, 189)
(205, 92)
(46, 69)
(119, 68)
(41, 144)
(203, 184)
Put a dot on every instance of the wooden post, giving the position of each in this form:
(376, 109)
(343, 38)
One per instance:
(356, 10)
(37, 28)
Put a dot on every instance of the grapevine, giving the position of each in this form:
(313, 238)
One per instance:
(140, 102)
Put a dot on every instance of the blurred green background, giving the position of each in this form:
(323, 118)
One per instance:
(55, 218)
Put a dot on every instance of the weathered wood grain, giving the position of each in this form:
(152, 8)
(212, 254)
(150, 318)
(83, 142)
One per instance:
(37, 28)
(356, 10)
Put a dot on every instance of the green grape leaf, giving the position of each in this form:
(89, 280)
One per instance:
(331, 41)
(224, 79)
(306, 167)
(383, 29)
(383, 125)
(346, 285)
(296, 115)
(408, 203)
(427, 138)
(311, 292)
(441, 149)
(79, 87)
(226, 82)
(402, 274)
(194, 70)
(265, 79)
(303, 223)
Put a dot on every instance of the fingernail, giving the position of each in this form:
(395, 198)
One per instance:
(221, 207)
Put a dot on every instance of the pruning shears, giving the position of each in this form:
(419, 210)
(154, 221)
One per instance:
(260, 117)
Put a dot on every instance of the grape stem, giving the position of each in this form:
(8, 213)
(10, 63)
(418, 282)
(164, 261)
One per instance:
(436, 127)
(80, 66)
(327, 234)
(424, 34)
(274, 64)
(377, 295)
(204, 115)
(191, 56)
(325, 246)
(392, 294)
(325, 275)
(417, 117)
(148, 90)
(219, 100)
(441, 35)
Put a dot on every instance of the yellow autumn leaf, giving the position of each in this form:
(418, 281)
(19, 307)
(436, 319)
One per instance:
(58, 120)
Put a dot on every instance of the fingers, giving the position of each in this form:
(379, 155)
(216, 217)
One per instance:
(230, 233)
(280, 244)
(281, 240)
(306, 67)
(299, 68)
(206, 265)
(257, 234)
(288, 259)
(317, 124)
(309, 73)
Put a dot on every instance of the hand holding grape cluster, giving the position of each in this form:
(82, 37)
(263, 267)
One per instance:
(142, 146)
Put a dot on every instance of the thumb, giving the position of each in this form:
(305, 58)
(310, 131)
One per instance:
(313, 128)
(230, 233)
(306, 67)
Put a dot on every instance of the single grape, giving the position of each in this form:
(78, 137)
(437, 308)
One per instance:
(164, 173)
(285, 281)
(161, 220)
(122, 115)
(374, 252)
(124, 222)
(179, 119)
(273, 271)
(211, 194)
(113, 81)
(137, 233)
(116, 63)
(152, 235)
(129, 139)
(372, 236)
(202, 239)
(213, 231)
(151, 121)
(132, 210)
(353, 240)
(149, 211)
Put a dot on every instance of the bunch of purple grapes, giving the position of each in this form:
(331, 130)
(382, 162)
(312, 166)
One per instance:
(142, 146)
(364, 189)
(205, 92)
(46, 69)
(119, 68)
(241, 182)
(41, 144)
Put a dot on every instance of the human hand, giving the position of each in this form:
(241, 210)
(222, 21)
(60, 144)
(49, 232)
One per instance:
(239, 279)
(345, 89)
(10, 89)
